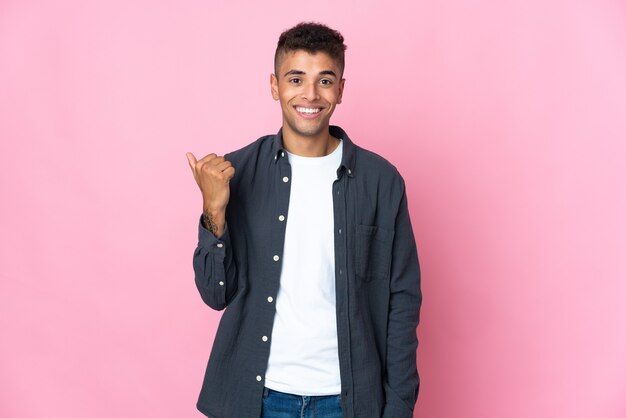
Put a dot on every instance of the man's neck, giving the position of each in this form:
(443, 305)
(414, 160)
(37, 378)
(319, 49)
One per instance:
(309, 146)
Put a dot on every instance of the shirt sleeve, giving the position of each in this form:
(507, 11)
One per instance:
(401, 380)
(214, 268)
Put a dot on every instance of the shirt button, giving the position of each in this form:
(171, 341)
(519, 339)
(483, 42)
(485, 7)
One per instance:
(270, 299)
(282, 154)
(340, 272)
(339, 231)
(259, 378)
(221, 283)
(281, 218)
(285, 179)
(264, 338)
(276, 258)
(220, 245)
(349, 171)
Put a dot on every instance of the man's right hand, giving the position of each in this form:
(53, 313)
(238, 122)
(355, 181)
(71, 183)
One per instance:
(213, 174)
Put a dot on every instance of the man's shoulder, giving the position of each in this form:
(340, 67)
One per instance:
(370, 163)
(367, 162)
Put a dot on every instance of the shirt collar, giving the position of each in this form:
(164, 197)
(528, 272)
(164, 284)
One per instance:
(347, 159)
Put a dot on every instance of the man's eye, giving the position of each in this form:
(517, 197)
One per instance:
(326, 82)
(295, 81)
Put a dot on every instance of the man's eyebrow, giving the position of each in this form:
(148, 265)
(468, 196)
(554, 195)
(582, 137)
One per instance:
(300, 72)
(294, 72)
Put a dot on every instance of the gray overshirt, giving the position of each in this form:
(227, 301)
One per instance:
(377, 283)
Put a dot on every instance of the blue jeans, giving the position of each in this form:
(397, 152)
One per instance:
(284, 405)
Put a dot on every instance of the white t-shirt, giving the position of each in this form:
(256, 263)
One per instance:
(304, 358)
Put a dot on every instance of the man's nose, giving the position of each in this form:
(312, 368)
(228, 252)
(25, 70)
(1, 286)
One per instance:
(310, 92)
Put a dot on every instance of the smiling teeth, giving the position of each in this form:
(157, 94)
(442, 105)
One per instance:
(307, 110)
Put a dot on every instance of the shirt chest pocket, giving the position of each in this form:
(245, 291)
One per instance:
(373, 252)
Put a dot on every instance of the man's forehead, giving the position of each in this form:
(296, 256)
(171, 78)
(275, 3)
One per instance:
(301, 59)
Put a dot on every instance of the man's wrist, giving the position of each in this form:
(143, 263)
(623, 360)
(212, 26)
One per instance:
(214, 221)
(208, 221)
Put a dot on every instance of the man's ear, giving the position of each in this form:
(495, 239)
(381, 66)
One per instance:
(341, 84)
(274, 86)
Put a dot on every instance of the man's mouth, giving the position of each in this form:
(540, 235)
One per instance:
(308, 111)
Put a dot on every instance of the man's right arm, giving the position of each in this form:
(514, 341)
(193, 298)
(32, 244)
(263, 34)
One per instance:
(215, 271)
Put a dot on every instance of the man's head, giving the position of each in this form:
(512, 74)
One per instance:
(308, 80)
(312, 38)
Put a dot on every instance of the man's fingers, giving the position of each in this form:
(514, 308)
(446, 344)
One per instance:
(211, 163)
(215, 161)
(227, 169)
(229, 172)
(207, 158)
(192, 161)
(223, 165)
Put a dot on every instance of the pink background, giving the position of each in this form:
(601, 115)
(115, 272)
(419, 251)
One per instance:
(507, 119)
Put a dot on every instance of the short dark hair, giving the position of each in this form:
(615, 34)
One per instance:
(311, 37)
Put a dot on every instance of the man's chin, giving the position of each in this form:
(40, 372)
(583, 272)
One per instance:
(309, 131)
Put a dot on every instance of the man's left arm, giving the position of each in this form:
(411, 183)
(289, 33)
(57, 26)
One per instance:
(401, 379)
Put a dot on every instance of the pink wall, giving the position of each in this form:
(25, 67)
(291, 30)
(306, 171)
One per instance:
(507, 119)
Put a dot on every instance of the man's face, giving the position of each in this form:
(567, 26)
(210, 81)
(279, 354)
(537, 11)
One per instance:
(308, 86)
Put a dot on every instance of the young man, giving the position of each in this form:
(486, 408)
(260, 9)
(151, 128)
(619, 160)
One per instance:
(305, 239)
